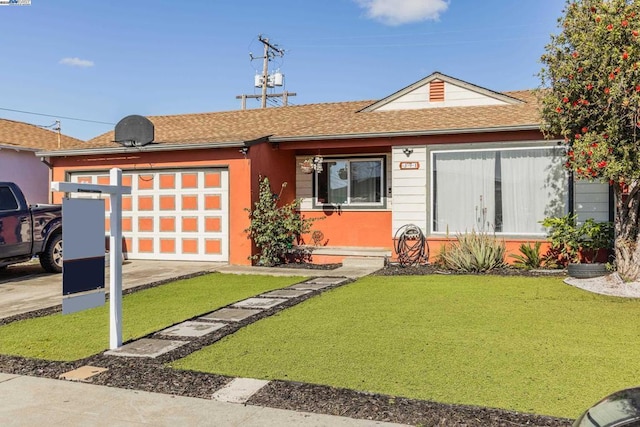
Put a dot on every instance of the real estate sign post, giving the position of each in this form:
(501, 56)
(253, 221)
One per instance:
(83, 263)
(115, 260)
(115, 191)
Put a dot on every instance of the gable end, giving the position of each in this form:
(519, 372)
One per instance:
(439, 90)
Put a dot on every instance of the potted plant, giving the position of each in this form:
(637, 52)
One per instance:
(579, 247)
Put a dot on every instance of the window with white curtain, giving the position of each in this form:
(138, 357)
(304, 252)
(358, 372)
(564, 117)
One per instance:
(350, 182)
(505, 191)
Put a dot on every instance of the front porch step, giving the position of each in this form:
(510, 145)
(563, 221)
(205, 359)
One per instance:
(347, 251)
(351, 256)
(359, 261)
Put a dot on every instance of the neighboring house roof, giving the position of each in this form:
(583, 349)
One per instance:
(27, 137)
(359, 119)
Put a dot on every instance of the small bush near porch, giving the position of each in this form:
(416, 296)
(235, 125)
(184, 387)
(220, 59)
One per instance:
(533, 345)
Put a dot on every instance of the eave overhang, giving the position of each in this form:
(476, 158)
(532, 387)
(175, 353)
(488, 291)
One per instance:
(331, 137)
(148, 148)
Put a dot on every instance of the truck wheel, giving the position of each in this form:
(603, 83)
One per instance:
(51, 258)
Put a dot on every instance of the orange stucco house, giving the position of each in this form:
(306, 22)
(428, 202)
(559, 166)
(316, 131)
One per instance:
(443, 154)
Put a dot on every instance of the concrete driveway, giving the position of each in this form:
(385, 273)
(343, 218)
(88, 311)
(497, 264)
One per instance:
(26, 287)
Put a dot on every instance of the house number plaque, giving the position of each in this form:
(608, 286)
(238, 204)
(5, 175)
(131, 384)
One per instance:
(409, 165)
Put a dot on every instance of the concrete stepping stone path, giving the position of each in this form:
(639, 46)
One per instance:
(83, 373)
(192, 329)
(152, 348)
(231, 314)
(146, 347)
(326, 281)
(310, 286)
(262, 303)
(287, 293)
(239, 390)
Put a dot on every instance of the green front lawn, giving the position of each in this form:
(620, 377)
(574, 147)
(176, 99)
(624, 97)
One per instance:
(528, 344)
(78, 335)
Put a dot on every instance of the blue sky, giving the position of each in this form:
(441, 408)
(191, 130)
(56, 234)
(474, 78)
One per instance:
(104, 60)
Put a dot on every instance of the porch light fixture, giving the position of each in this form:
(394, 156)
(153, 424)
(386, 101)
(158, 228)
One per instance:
(407, 151)
(244, 151)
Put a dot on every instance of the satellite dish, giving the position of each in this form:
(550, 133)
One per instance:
(134, 131)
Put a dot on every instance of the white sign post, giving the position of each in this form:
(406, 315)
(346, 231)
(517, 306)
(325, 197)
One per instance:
(115, 191)
(115, 261)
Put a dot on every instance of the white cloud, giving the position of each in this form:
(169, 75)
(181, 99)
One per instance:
(76, 62)
(398, 12)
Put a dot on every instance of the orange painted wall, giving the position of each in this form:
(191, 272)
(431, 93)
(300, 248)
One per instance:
(278, 166)
(352, 228)
(240, 181)
(275, 164)
(373, 229)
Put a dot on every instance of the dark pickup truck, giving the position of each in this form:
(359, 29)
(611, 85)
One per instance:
(28, 231)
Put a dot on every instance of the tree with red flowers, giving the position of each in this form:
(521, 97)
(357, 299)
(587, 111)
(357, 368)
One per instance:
(591, 98)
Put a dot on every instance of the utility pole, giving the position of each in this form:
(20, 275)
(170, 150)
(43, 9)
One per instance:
(269, 50)
(265, 80)
(58, 127)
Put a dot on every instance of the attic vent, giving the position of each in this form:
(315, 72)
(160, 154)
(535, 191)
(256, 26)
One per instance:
(436, 91)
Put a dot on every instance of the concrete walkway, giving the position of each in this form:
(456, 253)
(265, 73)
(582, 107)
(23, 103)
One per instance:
(28, 401)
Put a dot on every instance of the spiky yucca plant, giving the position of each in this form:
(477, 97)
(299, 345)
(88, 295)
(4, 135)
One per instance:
(473, 252)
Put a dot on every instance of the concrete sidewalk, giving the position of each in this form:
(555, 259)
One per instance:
(28, 401)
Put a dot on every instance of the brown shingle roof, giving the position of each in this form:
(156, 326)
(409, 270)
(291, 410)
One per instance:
(343, 122)
(316, 120)
(30, 137)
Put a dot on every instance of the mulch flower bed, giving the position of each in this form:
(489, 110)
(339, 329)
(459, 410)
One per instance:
(156, 375)
(425, 269)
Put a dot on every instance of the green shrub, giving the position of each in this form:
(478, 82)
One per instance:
(573, 243)
(529, 256)
(473, 252)
(274, 229)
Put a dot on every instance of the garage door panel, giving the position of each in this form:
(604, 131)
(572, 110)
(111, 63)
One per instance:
(173, 214)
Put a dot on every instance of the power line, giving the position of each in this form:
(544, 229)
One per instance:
(438, 33)
(59, 117)
(411, 44)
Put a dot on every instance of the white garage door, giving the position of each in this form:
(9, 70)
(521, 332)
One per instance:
(172, 214)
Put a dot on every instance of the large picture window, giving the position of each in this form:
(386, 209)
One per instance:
(505, 191)
(350, 182)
